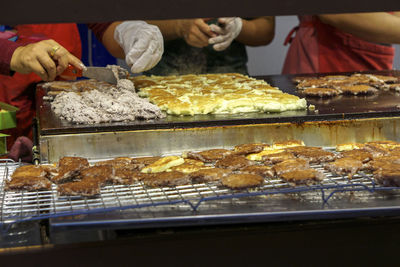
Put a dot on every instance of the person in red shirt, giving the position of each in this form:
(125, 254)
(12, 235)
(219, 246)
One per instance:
(343, 43)
(41, 52)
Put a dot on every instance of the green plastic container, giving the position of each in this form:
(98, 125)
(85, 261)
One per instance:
(7, 116)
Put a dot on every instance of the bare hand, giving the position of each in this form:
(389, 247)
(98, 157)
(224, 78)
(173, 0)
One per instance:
(47, 59)
(196, 32)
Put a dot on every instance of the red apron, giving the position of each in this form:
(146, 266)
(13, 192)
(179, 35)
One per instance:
(319, 47)
(19, 89)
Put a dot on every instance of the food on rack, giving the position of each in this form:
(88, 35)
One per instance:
(300, 177)
(126, 176)
(277, 157)
(140, 163)
(172, 178)
(86, 187)
(28, 183)
(116, 162)
(259, 156)
(103, 174)
(388, 145)
(312, 154)
(242, 180)
(359, 154)
(332, 85)
(30, 178)
(286, 144)
(263, 171)
(228, 93)
(233, 162)
(388, 177)
(321, 92)
(208, 156)
(383, 162)
(32, 171)
(349, 146)
(209, 175)
(291, 165)
(189, 166)
(345, 166)
(245, 149)
(163, 164)
(69, 169)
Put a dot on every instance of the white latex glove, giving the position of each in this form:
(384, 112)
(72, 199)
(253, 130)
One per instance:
(143, 44)
(227, 32)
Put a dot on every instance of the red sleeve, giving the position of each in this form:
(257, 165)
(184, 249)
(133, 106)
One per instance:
(7, 49)
(99, 29)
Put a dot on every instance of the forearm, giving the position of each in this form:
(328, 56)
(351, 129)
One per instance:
(109, 42)
(259, 31)
(379, 27)
(168, 28)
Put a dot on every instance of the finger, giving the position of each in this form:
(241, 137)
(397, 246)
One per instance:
(37, 68)
(205, 29)
(199, 38)
(48, 64)
(219, 39)
(221, 46)
(217, 29)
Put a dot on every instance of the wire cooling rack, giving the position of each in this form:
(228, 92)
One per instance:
(26, 206)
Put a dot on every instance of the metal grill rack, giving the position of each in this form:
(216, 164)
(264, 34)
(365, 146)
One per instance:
(26, 206)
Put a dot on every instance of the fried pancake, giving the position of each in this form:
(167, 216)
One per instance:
(290, 165)
(189, 166)
(385, 78)
(126, 176)
(140, 163)
(233, 162)
(29, 171)
(388, 177)
(383, 162)
(287, 144)
(209, 175)
(208, 156)
(387, 145)
(358, 89)
(306, 176)
(163, 164)
(259, 156)
(116, 162)
(312, 154)
(349, 146)
(242, 180)
(321, 92)
(28, 183)
(172, 178)
(245, 149)
(277, 157)
(103, 174)
(86, 187)
(263, 171)
(69, 168)
(376, 150)
(345, 166)
(359, 154)
(394, 86)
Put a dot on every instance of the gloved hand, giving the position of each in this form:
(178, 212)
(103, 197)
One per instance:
(142, 43)
(21, 149)
(227, 32)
